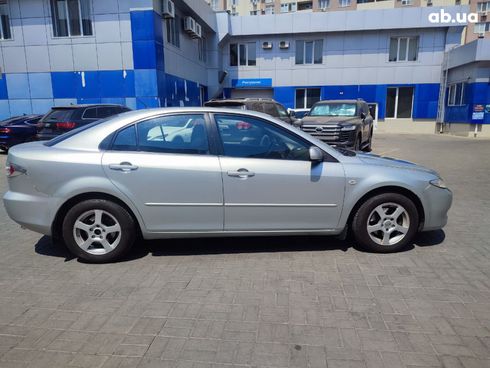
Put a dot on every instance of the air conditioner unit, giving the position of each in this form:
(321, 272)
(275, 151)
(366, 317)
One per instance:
(255, 2)
(284, 45)
(481, 35)
(168, 9)
(483, 15)
(190, 25)
(267, 45)
(429, 2)
(198, 33)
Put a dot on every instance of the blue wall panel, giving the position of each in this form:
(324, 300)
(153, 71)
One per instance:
(117, 83)
(42, 105)
(3, 89)
(64, 84)
(20, 106)
(285, 96)
(4, 109)
(40, 85)
(18, 85)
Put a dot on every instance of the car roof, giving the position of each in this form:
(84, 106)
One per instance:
(341, 101)
(78, 106)
(242, 100)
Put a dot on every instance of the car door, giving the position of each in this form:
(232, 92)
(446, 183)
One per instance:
(269, 183)
(175, 183)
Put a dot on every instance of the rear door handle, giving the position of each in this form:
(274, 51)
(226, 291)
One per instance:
(123, 166)
(241, 173)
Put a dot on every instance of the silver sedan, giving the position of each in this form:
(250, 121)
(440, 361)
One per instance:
(194, 172)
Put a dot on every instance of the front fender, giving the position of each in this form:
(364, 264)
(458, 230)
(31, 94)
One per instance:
(362, 184)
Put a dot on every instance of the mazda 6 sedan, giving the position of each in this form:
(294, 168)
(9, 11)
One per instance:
(231, 173)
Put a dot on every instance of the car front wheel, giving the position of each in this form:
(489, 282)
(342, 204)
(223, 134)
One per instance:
(98, 230)
(385, 223)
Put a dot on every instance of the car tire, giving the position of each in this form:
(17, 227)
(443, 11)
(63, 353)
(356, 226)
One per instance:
(98, 230)
(357, 143)
(369, 145)
(385, 223)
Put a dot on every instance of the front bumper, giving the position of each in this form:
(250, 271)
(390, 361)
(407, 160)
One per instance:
(437, 204)
(30, 211)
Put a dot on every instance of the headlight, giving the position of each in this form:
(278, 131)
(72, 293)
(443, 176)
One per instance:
(348, 128)
(438, 183)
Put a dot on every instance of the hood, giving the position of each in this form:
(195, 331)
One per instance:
(329, 119)
(372, 159)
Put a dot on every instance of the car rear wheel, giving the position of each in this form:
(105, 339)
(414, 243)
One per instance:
(98, 230)
(385, 223)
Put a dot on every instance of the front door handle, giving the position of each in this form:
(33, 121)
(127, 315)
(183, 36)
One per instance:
(123, 166)
(241, 173)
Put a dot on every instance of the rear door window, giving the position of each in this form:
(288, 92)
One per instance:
(174, 134)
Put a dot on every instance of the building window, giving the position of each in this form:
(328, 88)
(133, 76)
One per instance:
(399, 102)
(324, 4)
(243, 54)
(481, 27)
(5, 33)
(344, 3)
(404, 48)
(483, 7)
(201, 46)
(269, 10)
(215, 5)
(307, 97)
(305, 5)
(288, 7)
(71, 18)
(456, 95)
(309, 52)
(407, 2)
(173, 30)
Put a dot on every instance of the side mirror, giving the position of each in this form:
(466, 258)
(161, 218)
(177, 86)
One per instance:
(363, 116)
(316, 154)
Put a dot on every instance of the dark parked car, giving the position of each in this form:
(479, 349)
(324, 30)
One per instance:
(265, 105)
(344, 123)
(62, 119)
(18, 129)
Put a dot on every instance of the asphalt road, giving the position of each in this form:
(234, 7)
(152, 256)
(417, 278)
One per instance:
(263, 302)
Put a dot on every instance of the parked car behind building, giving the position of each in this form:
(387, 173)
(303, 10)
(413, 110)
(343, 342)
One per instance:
(18, 129)
(62, 119)
(345, 123)
(265, 105)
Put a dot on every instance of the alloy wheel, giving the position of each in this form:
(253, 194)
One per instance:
(97, 232)
(388, 224)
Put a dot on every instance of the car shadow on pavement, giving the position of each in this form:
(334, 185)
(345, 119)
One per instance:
(232, 245)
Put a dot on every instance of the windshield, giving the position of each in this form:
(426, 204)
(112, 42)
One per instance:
(334, 109)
